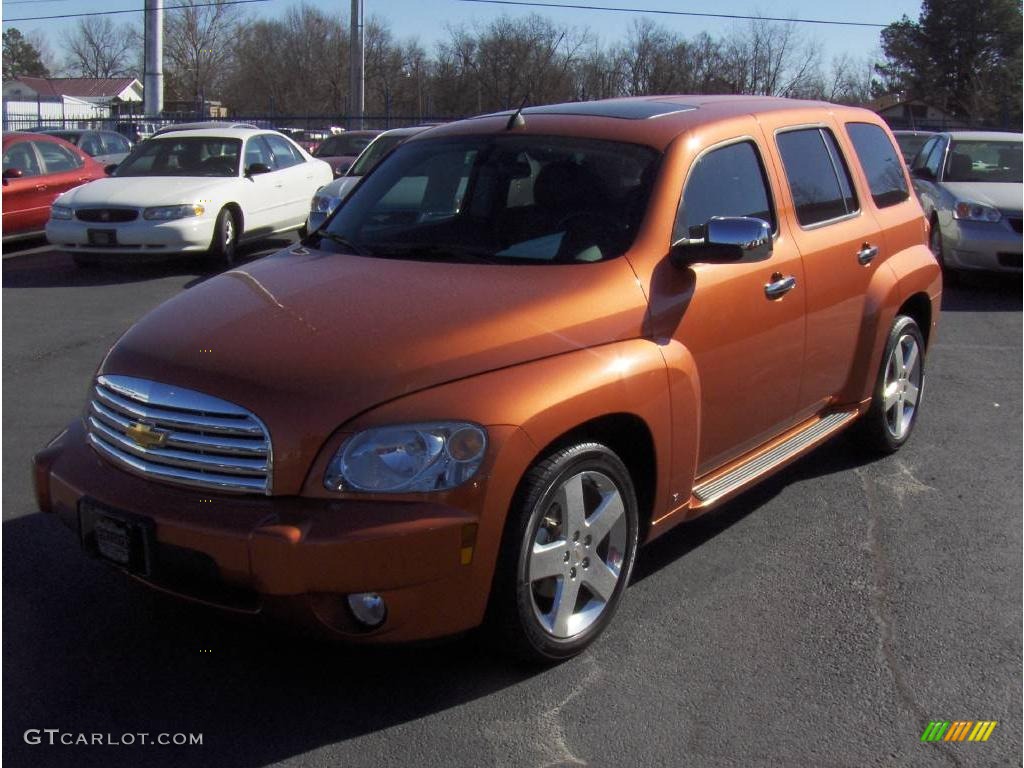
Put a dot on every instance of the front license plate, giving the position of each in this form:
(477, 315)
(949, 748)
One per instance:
(102, 236)
(119, 537)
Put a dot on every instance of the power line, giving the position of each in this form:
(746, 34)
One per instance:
(133, 10)
(34, 2)
(733, 16)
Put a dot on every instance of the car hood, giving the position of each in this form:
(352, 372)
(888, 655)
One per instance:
(144, 191)
(307, 340)
(1006, 197)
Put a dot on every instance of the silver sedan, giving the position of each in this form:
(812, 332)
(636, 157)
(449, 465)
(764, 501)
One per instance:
(969, 184)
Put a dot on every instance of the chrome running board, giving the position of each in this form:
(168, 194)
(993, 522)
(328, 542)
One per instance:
(714, 489)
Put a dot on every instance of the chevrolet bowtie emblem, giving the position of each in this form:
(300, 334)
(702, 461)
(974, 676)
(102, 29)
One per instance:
(146, 436)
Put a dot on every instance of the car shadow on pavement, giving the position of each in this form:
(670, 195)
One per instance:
(54, 269)
(87, 651)
(838, 455)
(983, 293)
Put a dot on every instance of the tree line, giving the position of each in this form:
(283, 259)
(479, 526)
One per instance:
(962, 57)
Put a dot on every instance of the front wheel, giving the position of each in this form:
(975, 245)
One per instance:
(938, 250)
(567, 554)
(224, 246)
(897, 397)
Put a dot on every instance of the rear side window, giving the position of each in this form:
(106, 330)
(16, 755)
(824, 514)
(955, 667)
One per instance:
(114, 143)
(880, 163)
(817, 175)
(729, 181)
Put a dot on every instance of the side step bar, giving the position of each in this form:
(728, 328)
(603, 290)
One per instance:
(714, 489)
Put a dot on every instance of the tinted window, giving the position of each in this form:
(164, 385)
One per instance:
(20, 155)
(817, 175)
(284, 155)
(341, 145)
(57, 159)
(725, 182)
(881, 165)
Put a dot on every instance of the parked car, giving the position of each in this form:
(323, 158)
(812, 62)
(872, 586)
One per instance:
(105, 147)
(341, 150)
(527, 343)
(188, 192)
(308, 140)
(36, 169)
(969, 183)
(329, 197)
(910, 143)
(136, 131)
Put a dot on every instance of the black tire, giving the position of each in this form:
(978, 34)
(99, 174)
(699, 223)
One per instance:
(224, 246)
(875, 429)
(514, 607)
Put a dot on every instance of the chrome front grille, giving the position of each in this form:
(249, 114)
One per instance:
(179, 436)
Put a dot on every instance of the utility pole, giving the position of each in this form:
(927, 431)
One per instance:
(153, 84)
(357, 100)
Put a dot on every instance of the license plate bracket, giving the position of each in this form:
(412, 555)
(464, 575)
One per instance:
(102, 236)
(121, 538)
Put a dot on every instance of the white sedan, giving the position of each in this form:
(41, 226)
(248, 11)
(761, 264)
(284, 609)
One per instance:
(190, 191)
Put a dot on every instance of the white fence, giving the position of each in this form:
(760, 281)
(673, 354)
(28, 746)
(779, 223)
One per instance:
(63, 112)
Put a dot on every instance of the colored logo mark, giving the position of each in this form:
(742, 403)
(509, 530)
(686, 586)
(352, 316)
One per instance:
(959, 730)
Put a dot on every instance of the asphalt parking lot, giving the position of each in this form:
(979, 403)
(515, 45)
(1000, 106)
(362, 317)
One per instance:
(821, 619)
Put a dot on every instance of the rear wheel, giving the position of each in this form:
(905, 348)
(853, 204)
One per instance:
(897, 398)
(224, 246)
(567, 554)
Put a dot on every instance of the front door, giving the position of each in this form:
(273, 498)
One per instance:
(747, 341)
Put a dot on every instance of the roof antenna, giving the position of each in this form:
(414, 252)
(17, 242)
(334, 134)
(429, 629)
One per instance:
(517, 121)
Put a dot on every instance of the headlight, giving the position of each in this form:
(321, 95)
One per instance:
(168, 212)
(410, 457)
(976, 212)
(324, 204)
(61, 212)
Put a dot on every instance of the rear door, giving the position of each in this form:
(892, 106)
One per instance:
(840, 243)
(261, 193)
(63, 168)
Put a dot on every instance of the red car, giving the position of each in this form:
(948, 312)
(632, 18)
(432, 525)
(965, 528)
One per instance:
(37, 168)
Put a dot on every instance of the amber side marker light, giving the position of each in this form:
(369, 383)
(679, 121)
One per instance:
(468, 542)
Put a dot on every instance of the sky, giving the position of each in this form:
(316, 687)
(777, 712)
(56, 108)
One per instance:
(427, 20)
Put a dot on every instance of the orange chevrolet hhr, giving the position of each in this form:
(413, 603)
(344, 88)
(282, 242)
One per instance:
(526, 344)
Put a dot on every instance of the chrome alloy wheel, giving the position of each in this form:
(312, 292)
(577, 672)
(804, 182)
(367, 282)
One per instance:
(577, 553)
(902, 386)
(228, 231)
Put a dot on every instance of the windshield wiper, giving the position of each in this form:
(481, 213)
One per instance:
(343, 241)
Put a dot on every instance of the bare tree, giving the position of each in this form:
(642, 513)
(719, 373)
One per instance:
(770, 59)
(97, 47)
(198, 47)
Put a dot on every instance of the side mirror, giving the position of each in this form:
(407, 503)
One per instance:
(257, 168)
(727, 239)
(13, 173)
(109, 169)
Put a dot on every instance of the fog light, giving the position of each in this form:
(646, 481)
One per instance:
(368, 608)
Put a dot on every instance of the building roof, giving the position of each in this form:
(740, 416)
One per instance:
(82, 87)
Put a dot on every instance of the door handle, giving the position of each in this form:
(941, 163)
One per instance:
(866, 254)
(779, 286)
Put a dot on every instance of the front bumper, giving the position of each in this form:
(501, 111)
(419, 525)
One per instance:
(979, 245)
(294, 557)
(189, 235)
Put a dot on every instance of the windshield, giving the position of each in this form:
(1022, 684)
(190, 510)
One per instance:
(338, 146)
(991, 161)
(186, 156)
(505, 198)
(373, 154)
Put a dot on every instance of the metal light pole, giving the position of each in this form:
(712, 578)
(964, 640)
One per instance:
(357, 100)
(153, 85)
